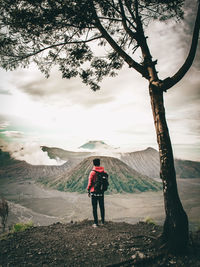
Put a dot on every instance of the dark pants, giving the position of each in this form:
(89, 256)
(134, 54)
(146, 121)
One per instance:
(95, 200)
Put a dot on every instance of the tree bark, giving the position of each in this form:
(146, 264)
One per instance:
(175, 230)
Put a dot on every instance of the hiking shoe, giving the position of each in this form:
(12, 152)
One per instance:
(94, 225)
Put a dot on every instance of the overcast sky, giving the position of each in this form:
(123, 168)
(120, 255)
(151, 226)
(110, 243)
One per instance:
(66, 113)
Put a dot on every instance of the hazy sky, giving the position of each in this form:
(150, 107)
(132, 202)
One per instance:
(66, 113)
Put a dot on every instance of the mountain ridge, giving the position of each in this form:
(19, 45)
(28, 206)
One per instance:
(144, 161)
(122, 178)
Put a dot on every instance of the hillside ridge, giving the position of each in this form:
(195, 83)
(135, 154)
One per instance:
(146, 162)
(122, 178)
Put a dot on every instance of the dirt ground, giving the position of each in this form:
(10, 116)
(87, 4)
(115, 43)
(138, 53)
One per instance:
(79, 244)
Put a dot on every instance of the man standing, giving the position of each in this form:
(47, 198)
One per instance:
(97, 195)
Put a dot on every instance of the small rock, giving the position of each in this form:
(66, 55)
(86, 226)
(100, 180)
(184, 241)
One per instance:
(172, 261)
(140, 255)
(133, 256)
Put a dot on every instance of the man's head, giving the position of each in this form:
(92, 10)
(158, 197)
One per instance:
(96, 162)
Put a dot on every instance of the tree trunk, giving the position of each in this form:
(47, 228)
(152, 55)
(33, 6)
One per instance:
(175, 230)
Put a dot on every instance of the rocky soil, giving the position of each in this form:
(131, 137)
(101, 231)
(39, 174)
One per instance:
(79, 244)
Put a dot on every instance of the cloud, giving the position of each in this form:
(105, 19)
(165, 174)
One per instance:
(13, 134)
(182, 109)
(188, 27)
(29, 152)
(58, 91)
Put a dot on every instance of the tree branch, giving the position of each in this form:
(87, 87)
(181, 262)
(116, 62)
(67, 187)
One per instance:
(136, 9)
(126, 28)
(119, 12)
(55, 45)
(49, 67)
(114, 19)
(132, 63)
(171, 81)
(129, 9)
(149, 65)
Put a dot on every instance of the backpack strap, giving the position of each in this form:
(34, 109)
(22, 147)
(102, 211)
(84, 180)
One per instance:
(105, 173)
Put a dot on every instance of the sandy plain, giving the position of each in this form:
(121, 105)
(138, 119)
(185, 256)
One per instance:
(30, 202)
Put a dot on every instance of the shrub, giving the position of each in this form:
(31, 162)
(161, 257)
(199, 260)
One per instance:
(20, 227)
(149, 220)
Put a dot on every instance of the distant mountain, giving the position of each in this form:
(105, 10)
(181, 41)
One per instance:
(96, 145)
(21, 170)
(122, 178)
(145, 161)
(187, 168)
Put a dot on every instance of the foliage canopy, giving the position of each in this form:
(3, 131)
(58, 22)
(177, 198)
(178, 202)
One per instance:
(57, 32)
